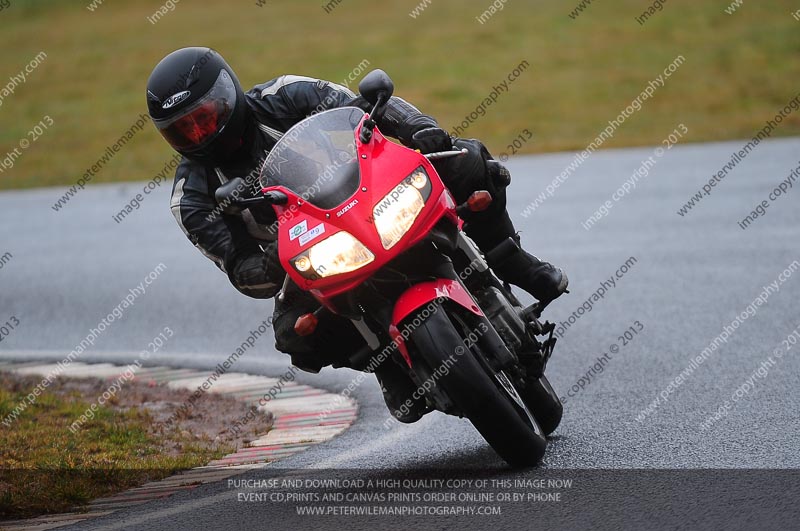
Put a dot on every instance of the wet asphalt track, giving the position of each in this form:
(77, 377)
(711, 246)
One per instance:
(692, 276)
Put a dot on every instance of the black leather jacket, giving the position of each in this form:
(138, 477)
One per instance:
(237, 243)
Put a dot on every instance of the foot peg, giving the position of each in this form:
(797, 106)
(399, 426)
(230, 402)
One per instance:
(538, 364)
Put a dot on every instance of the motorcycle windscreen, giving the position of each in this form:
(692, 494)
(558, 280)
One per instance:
(317, 159)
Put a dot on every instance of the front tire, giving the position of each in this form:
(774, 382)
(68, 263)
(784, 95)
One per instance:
(543, 402)
(508, 427)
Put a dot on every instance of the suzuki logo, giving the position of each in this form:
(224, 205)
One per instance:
(350, 205)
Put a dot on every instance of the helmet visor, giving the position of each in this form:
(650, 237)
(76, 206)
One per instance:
(198, 124)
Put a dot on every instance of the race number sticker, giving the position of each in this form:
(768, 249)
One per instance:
(298, 230)
(313, 233)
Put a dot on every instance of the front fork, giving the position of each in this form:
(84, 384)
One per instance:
(518, 326)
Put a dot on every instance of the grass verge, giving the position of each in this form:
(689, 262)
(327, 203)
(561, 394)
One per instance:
(45, 468)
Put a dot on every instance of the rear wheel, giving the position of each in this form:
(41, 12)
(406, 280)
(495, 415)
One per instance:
(487, 398)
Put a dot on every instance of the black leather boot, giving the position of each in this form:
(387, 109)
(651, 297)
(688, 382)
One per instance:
(541, 279)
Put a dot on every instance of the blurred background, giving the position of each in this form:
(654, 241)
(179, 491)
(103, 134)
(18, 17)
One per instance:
(72, 82)
(586, 65)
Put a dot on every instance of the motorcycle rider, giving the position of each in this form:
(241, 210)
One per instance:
(198, 105)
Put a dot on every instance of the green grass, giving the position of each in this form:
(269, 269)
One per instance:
(739, 68)
(44, 468)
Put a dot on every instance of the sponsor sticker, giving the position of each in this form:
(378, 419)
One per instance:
(298, 230)
(313, 233)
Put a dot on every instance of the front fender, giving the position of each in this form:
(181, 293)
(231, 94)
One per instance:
(420, 296)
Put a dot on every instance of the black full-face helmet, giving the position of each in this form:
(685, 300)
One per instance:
(197, 104)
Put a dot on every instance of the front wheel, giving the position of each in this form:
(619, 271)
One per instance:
(489, 400)
(543, 401)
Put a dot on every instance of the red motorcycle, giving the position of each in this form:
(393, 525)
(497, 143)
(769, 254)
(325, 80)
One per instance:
(367, 226)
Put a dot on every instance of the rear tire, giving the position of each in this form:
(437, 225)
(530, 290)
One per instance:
(515, 436)
(544, 403)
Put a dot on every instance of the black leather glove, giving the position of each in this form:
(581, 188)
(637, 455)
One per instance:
(259, 275)
(432, 140)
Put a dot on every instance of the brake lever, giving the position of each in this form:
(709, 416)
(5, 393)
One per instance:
(446, 154)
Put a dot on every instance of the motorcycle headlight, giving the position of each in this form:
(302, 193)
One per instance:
(337, 254)
(397, 211)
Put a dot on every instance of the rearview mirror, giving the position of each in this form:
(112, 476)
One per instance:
(377, 85)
